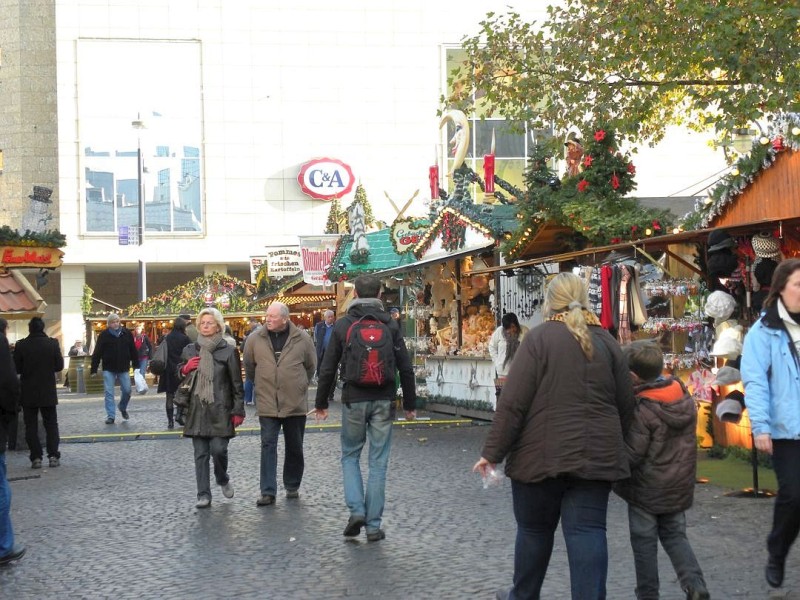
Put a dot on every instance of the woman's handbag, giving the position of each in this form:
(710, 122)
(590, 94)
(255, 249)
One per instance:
(184, 392)
(158, 364)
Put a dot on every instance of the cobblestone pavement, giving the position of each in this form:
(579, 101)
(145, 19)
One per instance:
(117, 520)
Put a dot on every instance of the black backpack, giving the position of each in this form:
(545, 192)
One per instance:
(368, 353)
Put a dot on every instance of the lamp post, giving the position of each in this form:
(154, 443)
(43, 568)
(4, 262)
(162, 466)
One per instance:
(139, 125)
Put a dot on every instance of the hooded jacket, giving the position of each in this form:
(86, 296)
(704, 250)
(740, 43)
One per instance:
(361, 307)
(280, 387)
(662, 447)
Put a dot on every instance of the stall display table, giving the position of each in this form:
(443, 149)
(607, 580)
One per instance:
(464, 378)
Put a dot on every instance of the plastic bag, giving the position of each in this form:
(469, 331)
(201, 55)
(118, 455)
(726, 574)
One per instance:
(141, 384)
(492, 478)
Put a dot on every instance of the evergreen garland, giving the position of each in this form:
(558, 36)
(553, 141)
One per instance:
(334, 217)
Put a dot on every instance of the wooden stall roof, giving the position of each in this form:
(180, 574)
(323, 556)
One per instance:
(18, 298)
(549, 239)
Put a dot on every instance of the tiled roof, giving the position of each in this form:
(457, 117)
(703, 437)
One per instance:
(382, 256)
(18, 299)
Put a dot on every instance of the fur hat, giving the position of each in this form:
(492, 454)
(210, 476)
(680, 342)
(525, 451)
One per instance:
(763, 271)
(765, 245)
(719, 239)
(720, 305)
(721, 264)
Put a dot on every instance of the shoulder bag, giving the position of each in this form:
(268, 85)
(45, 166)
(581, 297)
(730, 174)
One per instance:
(184, 392)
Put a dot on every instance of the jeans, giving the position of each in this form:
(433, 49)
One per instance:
(6, 531)
(50, 422)
(294, 429)
(248, 391)
(581, 505)
(646, 530)
(125, 391)
(217, 448)
(143, 366)
(786, 514)
(362, 420)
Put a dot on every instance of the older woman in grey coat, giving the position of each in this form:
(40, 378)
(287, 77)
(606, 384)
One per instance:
(216, 406)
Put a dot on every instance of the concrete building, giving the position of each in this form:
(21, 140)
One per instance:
(225, 100)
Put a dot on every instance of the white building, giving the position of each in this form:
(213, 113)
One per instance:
(235, 95)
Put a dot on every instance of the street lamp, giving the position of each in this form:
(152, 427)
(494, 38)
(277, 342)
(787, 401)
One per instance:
(139, 125)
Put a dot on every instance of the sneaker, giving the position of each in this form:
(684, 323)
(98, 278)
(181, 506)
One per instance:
(354, 525)
(265, 500)
(109, 421)
(36, 463)
(122, 411)
(55, 461)
(292, 493)
(203, 502)
(17, 552)
(376, 536)
(227, 489)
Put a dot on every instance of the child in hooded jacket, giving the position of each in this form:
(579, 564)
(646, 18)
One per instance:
(662, 447)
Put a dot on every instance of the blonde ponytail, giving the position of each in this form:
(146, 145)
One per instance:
(567, 294)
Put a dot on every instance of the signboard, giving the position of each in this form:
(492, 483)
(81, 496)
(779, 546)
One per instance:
(326, 178)
(281, 261)
(128, 235)
(30, 256)
(316, 252)
(405, 233)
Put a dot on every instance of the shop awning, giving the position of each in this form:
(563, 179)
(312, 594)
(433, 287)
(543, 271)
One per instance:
(436, 260)
(18, 298)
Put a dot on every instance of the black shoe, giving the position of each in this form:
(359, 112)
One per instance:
(354, 526)
(774, 572)
(376, 536)
(170, 424)
(123, 411)
(17, 552)
(694, 594)
(109, 421)
(265, 500)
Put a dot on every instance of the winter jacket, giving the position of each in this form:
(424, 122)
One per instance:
(176, 341)
(497, 350)
(771, 375)
(561, 414)
(214, 419)
(9, 391)
(118, 354)
(37, 359)
(280, 387)
(361, 307)
(662, 446)
(144, 347)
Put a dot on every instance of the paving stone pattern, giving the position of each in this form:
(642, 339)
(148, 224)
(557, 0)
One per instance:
(117, 520)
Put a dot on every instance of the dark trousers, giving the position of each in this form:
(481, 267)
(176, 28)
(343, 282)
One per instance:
(50, 422)
(581, 505)
(215, 448)
(293, 464)
(786, 515)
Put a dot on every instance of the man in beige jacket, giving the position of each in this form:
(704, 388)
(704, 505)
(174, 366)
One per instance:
(281, 360)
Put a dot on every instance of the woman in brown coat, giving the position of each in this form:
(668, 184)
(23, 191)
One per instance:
(559, 425)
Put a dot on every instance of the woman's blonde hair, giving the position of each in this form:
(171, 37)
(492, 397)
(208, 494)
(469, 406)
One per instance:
(567, 293)
(217, 317)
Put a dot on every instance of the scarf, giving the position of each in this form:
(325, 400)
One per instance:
(204, 380)
(512, 343)
(590, 317)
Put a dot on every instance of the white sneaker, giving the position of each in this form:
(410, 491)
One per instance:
(203, 502)
(227, 489)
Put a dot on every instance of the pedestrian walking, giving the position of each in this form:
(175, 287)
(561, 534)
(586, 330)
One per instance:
(322, 337)
(559, 425)
(770, 369)
(216, 407)
(662, 447)
(368, 399)
(280, 360)
(9, 406)
(37, 359)
(144, 348)
(176, 340)
(116, 350)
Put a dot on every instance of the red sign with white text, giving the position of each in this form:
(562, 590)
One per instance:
(326, 178)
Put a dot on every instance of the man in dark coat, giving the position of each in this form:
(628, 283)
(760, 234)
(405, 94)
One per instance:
(116, 350)
(176, 340)
(9, 399)
(37, 359)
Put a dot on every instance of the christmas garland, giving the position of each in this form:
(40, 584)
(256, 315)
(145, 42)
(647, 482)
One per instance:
(223, 292)
(44, 239)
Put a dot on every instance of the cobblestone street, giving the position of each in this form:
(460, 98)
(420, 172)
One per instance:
(117, 520)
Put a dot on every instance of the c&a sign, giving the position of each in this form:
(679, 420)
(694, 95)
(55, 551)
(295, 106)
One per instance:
(326, 178)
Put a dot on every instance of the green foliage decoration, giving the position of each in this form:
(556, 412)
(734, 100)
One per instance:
(223, 292)
(46, 239)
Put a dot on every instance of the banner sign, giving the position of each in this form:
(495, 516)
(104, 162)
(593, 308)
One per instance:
(405, 233)
(281, 261)
(30, 256)
(326, 178)
(316, 253)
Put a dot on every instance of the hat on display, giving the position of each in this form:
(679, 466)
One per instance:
(730, 409)
(735, 332)
(765, 245)
(719, 239)
(727, 347)
(720, 305)
(763, 270)
(721, 264)
(727, 376)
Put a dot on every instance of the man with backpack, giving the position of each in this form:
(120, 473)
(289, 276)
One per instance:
(370, 346)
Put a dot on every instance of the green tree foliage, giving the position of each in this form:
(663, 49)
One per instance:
(637, 65)
(334, 217)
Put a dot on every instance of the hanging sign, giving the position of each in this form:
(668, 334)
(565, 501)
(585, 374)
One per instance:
(406, 233)
(281, 261)
(326, 178)
(317, 252)
(30, 256)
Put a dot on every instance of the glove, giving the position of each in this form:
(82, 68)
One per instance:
(237, 420)
(92, 375)
(190, 365)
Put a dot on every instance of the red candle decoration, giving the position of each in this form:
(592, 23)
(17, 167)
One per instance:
(488, 172)
(433, 177)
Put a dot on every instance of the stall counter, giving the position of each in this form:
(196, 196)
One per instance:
(468, 378)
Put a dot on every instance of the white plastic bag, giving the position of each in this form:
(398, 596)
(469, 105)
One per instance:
(141, 384)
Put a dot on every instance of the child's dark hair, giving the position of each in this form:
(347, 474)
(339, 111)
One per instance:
(645, 359)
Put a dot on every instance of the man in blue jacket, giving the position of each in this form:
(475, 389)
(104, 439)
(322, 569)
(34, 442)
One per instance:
(116, 349)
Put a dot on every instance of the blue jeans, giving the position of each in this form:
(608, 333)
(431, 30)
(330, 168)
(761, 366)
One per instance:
(362, 420)
(125, 389)
(581, 505)
(6, 531)
(293, 464)
(646, 530)
(143, 366)
(217, 449)
(248, 391)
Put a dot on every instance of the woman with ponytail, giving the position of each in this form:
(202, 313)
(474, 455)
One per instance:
(559, 426)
